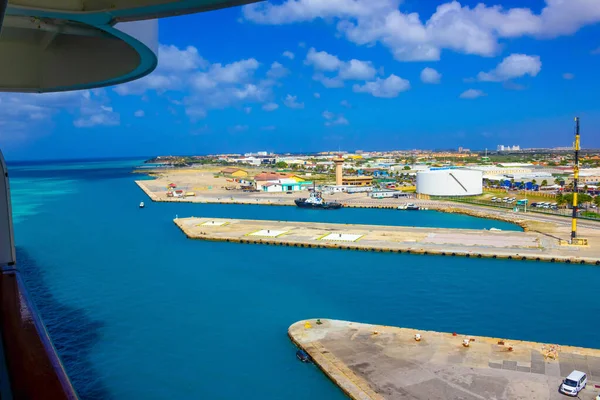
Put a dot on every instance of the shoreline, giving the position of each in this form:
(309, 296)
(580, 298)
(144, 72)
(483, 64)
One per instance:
(523, 223)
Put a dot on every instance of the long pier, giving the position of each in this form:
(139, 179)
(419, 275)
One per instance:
(382, 362)
(513, 245)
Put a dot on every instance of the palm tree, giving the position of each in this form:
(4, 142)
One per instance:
(544, 183)
(557, 181)
(533, 181)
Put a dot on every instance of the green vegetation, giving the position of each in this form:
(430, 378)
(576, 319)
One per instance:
(281, 165)
(582, 198)
(590, 214)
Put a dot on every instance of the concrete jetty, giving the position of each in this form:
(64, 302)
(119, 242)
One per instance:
(534, 246)
(381, 362)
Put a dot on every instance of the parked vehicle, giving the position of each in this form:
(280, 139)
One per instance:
(574, 383)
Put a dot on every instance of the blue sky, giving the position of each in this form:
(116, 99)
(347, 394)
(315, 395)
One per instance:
(346, 74)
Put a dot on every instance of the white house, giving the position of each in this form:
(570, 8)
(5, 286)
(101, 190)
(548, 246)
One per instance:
(284, 185)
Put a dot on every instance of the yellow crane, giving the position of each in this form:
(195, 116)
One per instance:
(577, 146)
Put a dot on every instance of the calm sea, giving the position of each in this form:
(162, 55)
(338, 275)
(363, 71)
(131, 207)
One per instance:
(137, 311)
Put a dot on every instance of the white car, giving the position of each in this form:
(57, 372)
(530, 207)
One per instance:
(574, 383)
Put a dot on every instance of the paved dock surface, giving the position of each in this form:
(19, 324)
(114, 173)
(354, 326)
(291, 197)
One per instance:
(449, 242)
(381, 362)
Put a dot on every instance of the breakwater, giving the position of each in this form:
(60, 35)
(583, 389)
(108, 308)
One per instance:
(522, 246)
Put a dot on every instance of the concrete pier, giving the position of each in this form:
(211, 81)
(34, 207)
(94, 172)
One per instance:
(382, 362)
(533, 246)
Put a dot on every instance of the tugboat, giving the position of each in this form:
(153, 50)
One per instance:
(142, 204)
(315, 200)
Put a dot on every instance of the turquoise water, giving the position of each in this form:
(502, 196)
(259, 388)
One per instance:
(137, 311)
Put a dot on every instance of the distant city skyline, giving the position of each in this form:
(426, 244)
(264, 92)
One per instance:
(299, 76)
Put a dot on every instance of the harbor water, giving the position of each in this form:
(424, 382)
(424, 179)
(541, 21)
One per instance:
(137, 311)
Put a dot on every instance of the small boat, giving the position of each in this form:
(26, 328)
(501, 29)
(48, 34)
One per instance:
(315, 200)
(412, 207)
(303, 356)
(142, 204)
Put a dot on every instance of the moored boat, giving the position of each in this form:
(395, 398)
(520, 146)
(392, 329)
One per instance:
(315, 200)
(142, 205)
(409, 207)
(412, 207)
(303, 356)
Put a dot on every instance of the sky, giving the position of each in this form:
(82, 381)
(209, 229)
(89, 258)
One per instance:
(313, 75)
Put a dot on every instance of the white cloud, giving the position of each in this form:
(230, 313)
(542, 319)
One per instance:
(195, 112)
(335, 82)
(345, 103)
(568, 76)
(317, 95)
(345, 70)
(173, 59)
(357, 70)
(292, 102)
(332, 119)
(471, 30)
(430, 75)
(270, 107)
(288, 54)
(238, 128)
(472, 94)
(328, 114)
(236, 72)
(390, 87)
(277, 71)
(139, 113)
(247, 110)
(94, 110)
(595, 51)
(513, 66)
(100, 118)
(268, 128)
(172, 63)
(202, 86)
(24, 114)
(322, 60)
(338, 121)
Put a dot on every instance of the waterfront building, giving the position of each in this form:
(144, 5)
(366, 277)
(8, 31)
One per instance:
(285, 185)
(265, 178)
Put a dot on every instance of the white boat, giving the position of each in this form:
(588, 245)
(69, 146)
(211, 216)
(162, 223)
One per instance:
(142, 204)
(409, 206)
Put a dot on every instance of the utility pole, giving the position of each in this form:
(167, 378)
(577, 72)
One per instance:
(575, 182)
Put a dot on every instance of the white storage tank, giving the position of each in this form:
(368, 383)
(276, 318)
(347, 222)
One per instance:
(450, 182)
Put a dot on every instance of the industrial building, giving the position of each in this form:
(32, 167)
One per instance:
(450, 182)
